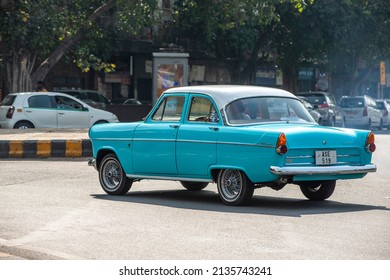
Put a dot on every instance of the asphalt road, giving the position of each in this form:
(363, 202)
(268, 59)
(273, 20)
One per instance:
(55, 209)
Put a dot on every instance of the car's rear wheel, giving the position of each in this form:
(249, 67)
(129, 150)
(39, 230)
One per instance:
(23, 125)
(369, 125)
(332, 122)
(234, 187)
(100, 122)
(194, 186)
(112, 176)
(318, 190)
(380, 127)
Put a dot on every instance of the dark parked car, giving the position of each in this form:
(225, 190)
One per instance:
(132, 101)
(91, 97)
(326, 105)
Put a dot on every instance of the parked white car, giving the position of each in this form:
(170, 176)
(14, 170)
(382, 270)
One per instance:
(361, 111)
(384, 107)
(49, 110)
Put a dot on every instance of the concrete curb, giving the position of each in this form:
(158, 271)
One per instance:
(70, 148)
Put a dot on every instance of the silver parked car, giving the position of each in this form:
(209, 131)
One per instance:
(384, 107)
(311, 108)
(326, 105)
(361, 111)
(49, 110)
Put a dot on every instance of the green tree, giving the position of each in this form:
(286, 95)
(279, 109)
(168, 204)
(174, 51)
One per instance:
(362, 38)
(336, 35)
(35, 35)
(233, 31)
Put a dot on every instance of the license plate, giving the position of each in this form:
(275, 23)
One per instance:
(326, 157)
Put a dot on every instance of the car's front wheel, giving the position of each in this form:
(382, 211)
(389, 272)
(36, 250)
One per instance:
(318, 190)
(112, 176)
(234, 187)
(194, 186)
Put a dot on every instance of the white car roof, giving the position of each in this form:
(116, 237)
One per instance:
(40, 92)
(224, 94)
(50, 93)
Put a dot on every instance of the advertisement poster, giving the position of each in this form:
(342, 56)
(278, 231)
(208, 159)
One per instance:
(169, 75)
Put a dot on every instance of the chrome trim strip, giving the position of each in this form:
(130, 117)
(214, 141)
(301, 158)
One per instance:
(246, 144)
(185, 141)
(348, 163)
(112, 139)
(197, 141)
(133, 176)
(299, 157)
(349, 155)
(309, 156)
(308, 164)
(153, 140)
(323, 170)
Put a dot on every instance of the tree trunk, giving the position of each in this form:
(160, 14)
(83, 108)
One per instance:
(41, 72)
(289, 79)
(18, 71)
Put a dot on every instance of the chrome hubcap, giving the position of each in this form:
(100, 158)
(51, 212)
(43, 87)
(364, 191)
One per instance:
(231, 184)
(112, 175)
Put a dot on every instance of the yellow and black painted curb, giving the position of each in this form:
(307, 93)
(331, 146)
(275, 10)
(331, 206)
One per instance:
(45, 148)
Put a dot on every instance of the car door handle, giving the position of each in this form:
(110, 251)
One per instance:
(174, 125)
(61, 113)
(28, 111)
(213, 128)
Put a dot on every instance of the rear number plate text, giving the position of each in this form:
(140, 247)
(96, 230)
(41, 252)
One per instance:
(326, 157)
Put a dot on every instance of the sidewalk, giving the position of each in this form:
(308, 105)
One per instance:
(44, 143)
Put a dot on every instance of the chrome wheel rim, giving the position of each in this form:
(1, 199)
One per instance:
(112, 175)
(231, 184)
(314, 189)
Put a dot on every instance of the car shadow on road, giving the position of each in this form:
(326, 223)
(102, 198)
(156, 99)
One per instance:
(264, 205)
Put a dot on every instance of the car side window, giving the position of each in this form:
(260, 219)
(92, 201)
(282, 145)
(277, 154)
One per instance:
(202, 110)
(39, 101)
(170, 109)
(64, 102)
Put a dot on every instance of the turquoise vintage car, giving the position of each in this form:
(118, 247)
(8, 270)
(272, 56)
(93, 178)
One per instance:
(241, 137)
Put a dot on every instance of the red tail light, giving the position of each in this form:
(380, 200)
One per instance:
(370, 143)
(323, 105)
(386, 113)
(10, 112)
(365, 112)
(281, 144)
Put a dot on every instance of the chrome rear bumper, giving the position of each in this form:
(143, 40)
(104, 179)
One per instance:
(92, 162)
(322, 170)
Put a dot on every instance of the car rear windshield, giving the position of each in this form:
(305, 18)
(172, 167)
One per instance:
(352, 102)
(316, 99)
(381, 105)
(8, 100)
